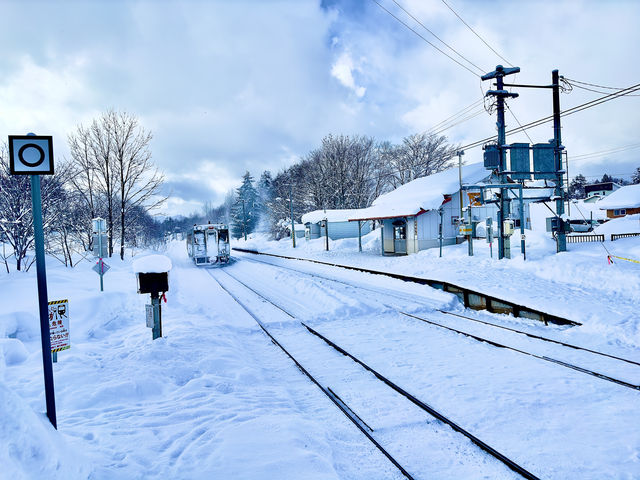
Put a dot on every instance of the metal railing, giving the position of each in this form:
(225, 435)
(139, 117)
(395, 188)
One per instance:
(585, 238)
(615, 236)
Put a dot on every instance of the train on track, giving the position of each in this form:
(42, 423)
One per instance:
(208, 244)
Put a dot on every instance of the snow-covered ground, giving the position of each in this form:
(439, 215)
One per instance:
(214, 398)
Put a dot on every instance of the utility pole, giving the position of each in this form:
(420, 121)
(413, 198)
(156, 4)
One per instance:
(244, 221)
(504, 206)
(293, 229)
(561, 238)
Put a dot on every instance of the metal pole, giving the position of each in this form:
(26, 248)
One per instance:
(503, 211)
(43, 301)
(100, 256)
(157, 316)
(460, 153)
(522, 236)
(359, 235)
(293, 230)
(557, 137)
(244, 221)
(326, 235)
(440, 212)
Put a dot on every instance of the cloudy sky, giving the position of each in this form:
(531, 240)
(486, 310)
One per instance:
(230, 86)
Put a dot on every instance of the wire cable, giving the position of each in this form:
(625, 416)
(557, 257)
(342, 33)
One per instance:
(442, 41)
(474, 32)
(570, 111)
(434, 46)
(602, 153)
(514, 116)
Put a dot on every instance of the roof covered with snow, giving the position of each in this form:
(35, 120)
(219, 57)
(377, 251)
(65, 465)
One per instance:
(152, 264)
(624, 197)
(426, 193)
(330, 215)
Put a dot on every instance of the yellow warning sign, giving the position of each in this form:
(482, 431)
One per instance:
(59, 325)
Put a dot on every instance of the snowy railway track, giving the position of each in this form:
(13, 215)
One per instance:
(344, 408)
(493, 342)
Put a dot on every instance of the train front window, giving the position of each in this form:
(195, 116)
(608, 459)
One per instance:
(198, 238)
(223, 235)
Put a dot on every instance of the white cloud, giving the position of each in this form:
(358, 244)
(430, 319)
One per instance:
(343, 70)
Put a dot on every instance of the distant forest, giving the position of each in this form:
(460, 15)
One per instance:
(343, 172)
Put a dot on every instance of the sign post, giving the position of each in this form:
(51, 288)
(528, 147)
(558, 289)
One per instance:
(59, 327)
(33, 155)
(100, 268)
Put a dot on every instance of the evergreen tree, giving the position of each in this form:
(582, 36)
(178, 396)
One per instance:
(576, 187)
(606, 178)
(635, 178)
(246, 208)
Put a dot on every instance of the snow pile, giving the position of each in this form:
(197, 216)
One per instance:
(152, 264)
(625, 197)
(31, 447)
(330, 215)
(628, 224)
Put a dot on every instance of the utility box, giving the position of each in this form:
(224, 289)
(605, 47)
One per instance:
(507, 228)
(153, 282)
(520, 163)
(544, 163)
(491, 157)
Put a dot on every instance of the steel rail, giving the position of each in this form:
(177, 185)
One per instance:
(490, 450)
(540, 357)
(487, 448)
(409, 297)
(338, 403)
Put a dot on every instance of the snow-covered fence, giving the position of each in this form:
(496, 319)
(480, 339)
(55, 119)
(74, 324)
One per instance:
(585, 238)
(616, 236)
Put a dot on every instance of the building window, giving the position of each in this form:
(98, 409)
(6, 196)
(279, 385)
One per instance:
(619, 212)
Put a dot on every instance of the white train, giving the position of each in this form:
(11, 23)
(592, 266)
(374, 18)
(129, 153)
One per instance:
(208, 244)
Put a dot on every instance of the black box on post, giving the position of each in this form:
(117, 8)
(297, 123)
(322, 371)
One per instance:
(153, 282)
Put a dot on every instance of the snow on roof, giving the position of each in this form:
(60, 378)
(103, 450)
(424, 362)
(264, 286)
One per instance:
(425, 193)
(624, 197)
(628, 224)
(330, 215)
(152, 264)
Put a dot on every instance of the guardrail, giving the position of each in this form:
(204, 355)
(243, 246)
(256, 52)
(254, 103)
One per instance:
(469, 298)
(615, 236)
(585, 238)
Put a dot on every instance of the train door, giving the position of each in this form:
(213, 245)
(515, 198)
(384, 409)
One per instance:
(212, 243)
(199, 245)
(400, 236)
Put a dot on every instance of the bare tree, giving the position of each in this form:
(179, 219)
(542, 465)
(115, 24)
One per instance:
(113, 169)
(138, 179)
(420, 154)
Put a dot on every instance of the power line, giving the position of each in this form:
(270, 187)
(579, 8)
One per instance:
(457, 114)
(474, 32)
(602, 153)
(565, 113)
(442, 41)
(514, 116)
(434, 46)
(469, 117)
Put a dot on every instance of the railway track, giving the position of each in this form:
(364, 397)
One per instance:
(484, 339)
(343, 407)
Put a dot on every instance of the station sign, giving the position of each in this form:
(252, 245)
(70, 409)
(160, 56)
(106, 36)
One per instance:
(30, 155)
(59, 325)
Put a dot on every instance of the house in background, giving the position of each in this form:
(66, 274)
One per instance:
(596, 191)
(624, 201)
(411, 215)
(336, 222)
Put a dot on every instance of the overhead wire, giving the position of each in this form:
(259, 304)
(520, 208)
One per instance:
(570, 111)
(436, 36)
(423, 38)
(476, 34)
(603, 153)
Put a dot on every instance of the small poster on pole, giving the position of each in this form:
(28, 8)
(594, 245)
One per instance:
(59, 325)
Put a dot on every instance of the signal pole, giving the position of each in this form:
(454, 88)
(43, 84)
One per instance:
(561, 238)
(504, 203)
